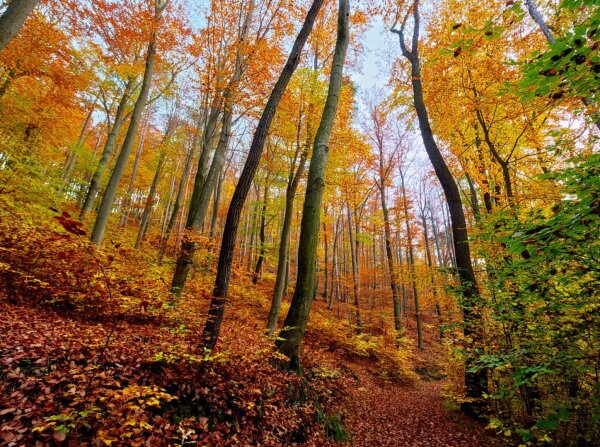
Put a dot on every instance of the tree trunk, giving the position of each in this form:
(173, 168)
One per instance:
(217, 305)
(297, 317)
(205, 184)
(284, 244)
(177, 204)
(115, 178)
(95, 183)
(411, 263)
(391, 267)
(126, 206)
(150, 200)
(354, 260)
(475, 382)
(263, 223)
(13, 19)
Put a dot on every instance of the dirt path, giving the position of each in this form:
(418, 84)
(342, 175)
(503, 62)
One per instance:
(380, 415)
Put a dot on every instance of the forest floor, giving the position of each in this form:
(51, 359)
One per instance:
(132, 375)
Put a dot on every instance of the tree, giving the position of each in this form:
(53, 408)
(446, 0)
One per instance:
(297, 317)
(219, 296)
(475, 382)
(110, 193)
(13, 18)
(379, 132)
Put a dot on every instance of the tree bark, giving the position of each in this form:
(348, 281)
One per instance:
(205, 183)
(150, 200)
(475, 382)
(13, 19)
(354, 261)
(297, 317)
(219, 298)
(263, 223)
(96, 181)
(121, 163)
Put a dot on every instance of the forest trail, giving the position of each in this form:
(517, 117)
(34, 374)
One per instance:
(396, 415)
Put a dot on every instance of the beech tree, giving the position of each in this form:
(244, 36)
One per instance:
(13, 19)
(295, 322)
(475, 382)
(219, 295)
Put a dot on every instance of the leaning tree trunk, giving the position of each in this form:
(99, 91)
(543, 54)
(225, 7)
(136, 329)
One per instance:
(150, 200)
(96, 181)
(219, 298)
(205, 184)
(13, 19)
(475, 382)
(111, 189)
(297, 317)
(177, 204)
(284, 244)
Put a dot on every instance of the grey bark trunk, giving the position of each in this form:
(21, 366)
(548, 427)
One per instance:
(96, 181)
(475, 382)
(121, 163)
(297, 317)
(219, 298)
(13, 19)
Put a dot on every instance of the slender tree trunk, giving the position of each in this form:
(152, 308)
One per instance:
(263, 223)
(326, 267)
(219, 298)
(354, 260)
(411, 264)
(150, 200)
(95, 183)
(177, 204)
(297, 317)
(131, 187)
(205, 183)
(284, 244)
(115, 178)
(391, 266)
(74, 154)
(13, 19)
(216, 200)
(475, 382)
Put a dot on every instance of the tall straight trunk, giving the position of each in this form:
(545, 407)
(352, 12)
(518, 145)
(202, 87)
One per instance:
(126, 207)
(354, 260)
(74, 154)
(187, 167)
(96, 181)
(150, 200)
(429, 258)
(284, 244)
(475, 382)
(219, 298)
(326, 267)
(216, 200)
(13, 18)
(411, 264)
(297, 317)
(391, 266)
(205, 184)
(262, 249)
(167, 211)
(334, 266)
(121, 163)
